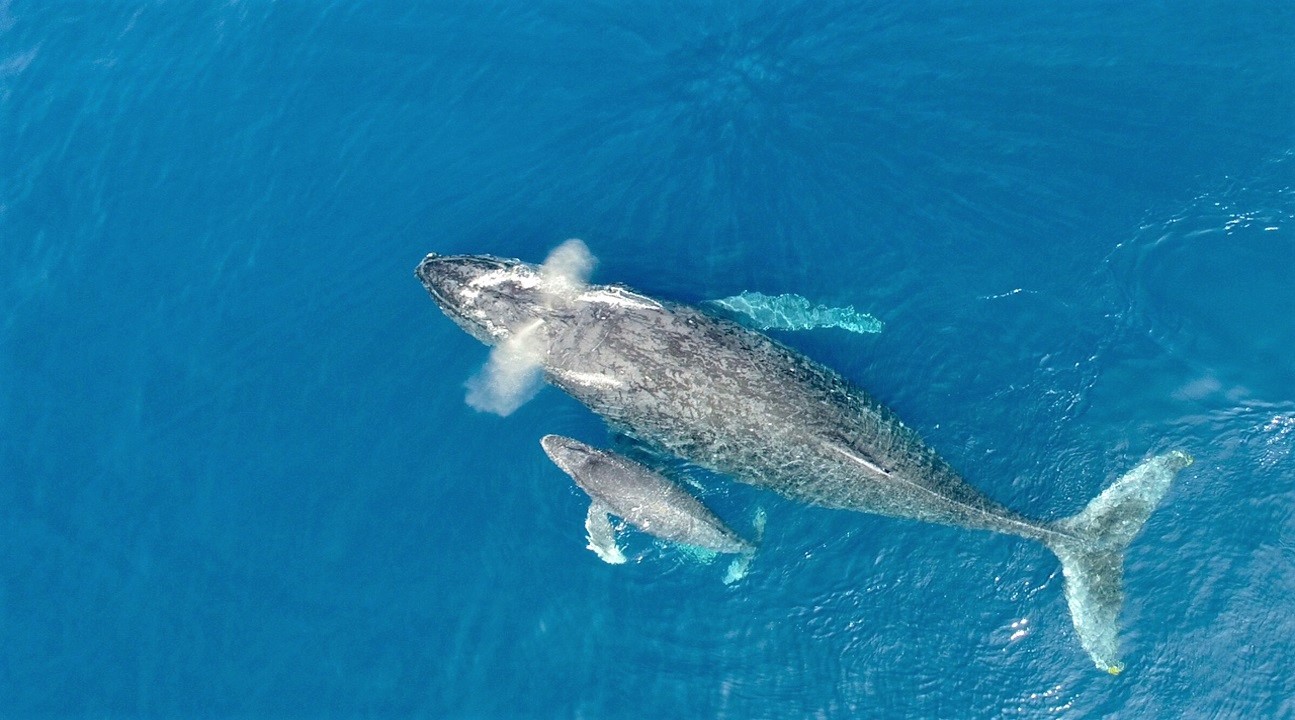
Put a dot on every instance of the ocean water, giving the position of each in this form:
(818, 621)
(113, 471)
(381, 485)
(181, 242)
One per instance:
(238, 477)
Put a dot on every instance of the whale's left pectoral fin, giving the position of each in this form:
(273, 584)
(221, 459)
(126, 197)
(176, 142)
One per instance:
(602, 536)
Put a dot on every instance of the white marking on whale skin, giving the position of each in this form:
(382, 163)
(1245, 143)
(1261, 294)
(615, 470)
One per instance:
(862, 461)
(590, 379)
(617, 297)
(491, 278)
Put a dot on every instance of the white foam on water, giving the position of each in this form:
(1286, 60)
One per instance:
(738, 569)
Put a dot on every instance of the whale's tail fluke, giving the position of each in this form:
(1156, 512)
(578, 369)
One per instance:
(1091, 547)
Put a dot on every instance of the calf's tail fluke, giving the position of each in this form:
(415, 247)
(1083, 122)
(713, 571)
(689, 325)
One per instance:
(1091, 547)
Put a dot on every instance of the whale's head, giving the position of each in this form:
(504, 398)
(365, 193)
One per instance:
(575, 459)
(489, 297)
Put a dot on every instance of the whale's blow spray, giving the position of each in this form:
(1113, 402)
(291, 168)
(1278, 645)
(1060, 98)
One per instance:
(510, 377)
(567, 268)
(514, 372)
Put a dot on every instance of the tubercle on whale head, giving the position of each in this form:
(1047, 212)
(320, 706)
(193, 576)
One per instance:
(488, 297)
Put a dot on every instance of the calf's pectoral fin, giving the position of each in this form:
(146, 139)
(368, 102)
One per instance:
(602, 536)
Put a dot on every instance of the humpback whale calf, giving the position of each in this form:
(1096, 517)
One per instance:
(645, 499)
(734, 401)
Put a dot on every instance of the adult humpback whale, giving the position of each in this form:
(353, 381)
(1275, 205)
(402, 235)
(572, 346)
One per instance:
(734, 401)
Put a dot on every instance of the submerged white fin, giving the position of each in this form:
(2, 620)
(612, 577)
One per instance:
(741, 564)
(757, 524)
(793, 312)
(1091, 548)
(601, 534)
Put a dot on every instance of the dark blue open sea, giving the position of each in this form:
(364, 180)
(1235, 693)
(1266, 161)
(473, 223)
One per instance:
(238, 477)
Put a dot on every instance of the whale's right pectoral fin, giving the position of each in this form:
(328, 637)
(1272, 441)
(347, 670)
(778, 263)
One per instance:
(602, 536)
(793, 312)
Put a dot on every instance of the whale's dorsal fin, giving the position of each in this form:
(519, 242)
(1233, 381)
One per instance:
(602, 536)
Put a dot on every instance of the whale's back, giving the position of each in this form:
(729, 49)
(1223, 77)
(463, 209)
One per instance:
(737, 402)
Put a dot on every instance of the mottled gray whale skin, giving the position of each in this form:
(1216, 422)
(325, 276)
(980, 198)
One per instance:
(736, 402)
(642, 497)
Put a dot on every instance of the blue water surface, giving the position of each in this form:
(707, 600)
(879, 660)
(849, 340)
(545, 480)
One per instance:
(238, 478)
